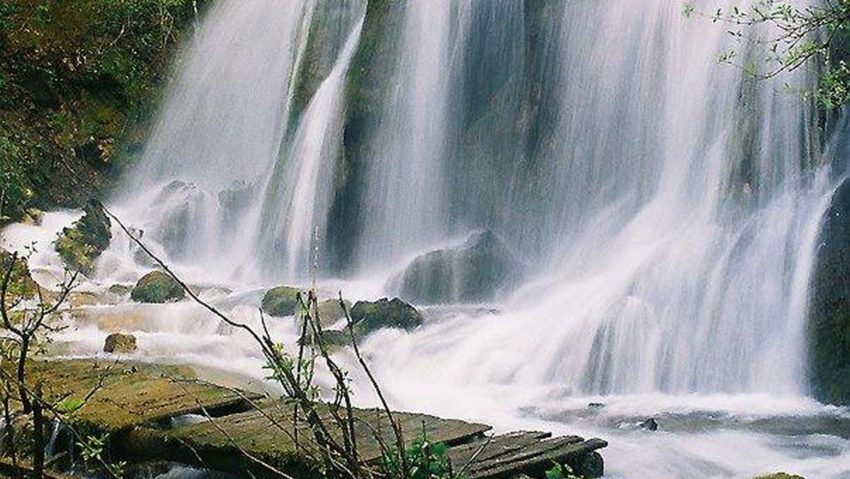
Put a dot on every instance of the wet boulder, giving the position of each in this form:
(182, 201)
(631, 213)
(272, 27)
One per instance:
(650, 424)
(157, 287)
(479, 270)
(83, 242)
(829, 312)
(119, 343)
(330, 310)
(332, 339)
(368, 317)
(181, 206)
(280, 301)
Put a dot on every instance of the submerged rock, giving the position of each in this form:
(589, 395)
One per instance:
(590, 466)
(650, 424)
(330, 310)
(120, 289)
(829, 321)
(119, 343)
(333, 339)
(280, 301)
(157, 287)
(82, 243)
(479, 270)
(369, 317)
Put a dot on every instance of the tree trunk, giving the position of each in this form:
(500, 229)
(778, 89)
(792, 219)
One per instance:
(9, 446)
(22, 372)
(37, 435)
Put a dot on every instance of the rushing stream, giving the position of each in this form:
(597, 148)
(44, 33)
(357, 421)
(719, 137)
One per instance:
(665, 209)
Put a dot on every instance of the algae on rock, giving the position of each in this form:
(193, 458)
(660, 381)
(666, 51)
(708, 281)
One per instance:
(157, 287)
(82, 243)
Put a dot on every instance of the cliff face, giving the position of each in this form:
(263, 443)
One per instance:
(829, 322)
(78, 84)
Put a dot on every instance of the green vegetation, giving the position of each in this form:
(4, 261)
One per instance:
(81, 244)
(76, 80)
(424, 460)
(799, 35)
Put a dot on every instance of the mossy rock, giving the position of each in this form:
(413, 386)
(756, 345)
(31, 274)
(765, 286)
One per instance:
(829, 321)
(84, 241)
(118, 343)
(157, 287)
(332, 339)
(280, 301)
(479, 270)
(330, 310)
(369, 317)
(120, 289)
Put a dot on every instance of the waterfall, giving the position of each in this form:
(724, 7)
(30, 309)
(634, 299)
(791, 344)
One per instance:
(666, 205)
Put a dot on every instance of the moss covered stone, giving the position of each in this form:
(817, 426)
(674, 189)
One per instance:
(369, 317)
(477, 271)
(829, 322)
(82, 243)
(280, 301)
(157, 287)
(119, 343)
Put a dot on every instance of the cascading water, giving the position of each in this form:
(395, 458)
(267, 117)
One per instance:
(666, 209)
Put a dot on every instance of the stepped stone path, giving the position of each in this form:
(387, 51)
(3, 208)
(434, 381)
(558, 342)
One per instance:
(163, 413)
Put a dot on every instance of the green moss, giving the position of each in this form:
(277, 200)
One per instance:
(372, 68)
(369, 317)
(157, 287)
(280, 301)
(81, 244)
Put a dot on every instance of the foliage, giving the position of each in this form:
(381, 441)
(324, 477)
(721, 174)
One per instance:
(560, 471)
(796, 36)
(76, 79)
(93, 451)
(424, 461)
(16, 189)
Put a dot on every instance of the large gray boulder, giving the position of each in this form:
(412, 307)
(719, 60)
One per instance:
(479, 270)
(829, 321)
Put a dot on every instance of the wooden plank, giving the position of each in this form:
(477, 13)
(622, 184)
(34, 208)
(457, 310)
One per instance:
(130, 394)
(534, 457)
(252, 431)
(135, 401)
(494, 447)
